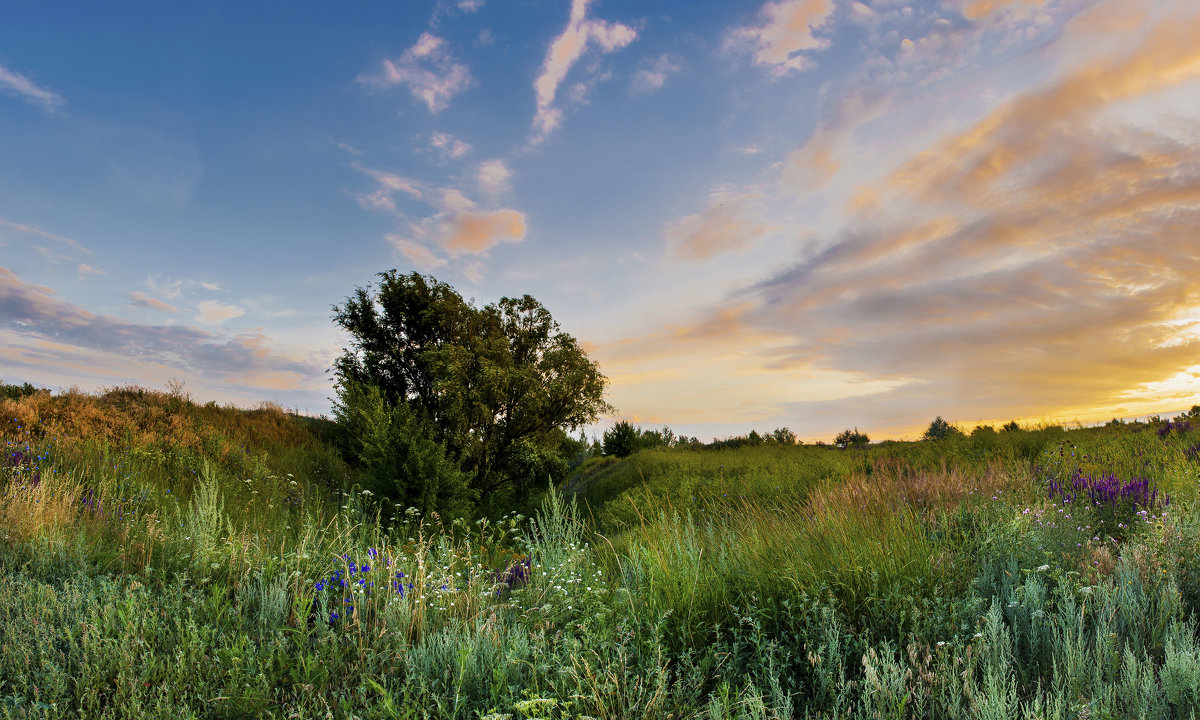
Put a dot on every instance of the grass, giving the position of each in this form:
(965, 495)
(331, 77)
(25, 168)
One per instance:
(163, 559)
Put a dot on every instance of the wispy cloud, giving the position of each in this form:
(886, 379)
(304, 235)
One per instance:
(448, 145)
(429, 71)
(31, 230)
(167, 288)
(387, 185)
(651, 78)
(212, 312)
(787, 30)
(421, 257)
(16, 83)
(565, 50)
(730, 223)
(84, 270)
(456, 227)
(141, 299)
(494, 177)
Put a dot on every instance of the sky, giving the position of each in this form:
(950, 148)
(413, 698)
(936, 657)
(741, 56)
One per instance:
(816, 214)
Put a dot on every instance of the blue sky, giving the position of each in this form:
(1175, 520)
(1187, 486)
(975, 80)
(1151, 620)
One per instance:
(812, 213)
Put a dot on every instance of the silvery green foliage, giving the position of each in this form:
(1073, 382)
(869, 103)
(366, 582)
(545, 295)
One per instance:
(264, 598)
(1139, 690)
(883, 691)
(1180, 673)
(206, 525)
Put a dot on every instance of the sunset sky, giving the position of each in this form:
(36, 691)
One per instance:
(806, 213)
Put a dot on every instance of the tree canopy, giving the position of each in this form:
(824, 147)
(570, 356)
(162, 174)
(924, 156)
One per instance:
(497, 385)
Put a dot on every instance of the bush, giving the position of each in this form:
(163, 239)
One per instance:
(939, 429)
(621, 440)
(851, 438)
(398, 455)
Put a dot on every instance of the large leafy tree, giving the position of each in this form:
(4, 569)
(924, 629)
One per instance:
(498, 384)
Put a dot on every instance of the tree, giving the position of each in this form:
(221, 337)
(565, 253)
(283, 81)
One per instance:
(939, 429)
(622, 440)
(851, 438)
(784, 436)
(1011, 426)
(497, 385)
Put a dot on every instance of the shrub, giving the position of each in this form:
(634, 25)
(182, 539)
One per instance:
(398, 454)
(851, 438)
(940, 429)
(622, 440)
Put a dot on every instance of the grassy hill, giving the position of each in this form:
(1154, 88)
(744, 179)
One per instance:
(160, 558)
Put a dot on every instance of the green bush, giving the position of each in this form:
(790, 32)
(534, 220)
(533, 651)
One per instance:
(399, 456)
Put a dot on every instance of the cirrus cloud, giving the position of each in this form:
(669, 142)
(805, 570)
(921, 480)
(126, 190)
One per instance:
(16, 83)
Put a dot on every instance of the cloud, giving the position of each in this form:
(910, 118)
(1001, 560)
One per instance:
(477, 232)
(16, 83)
(1041, 262)
(428, 70)
(983, 9)
(215, 313)
(166, 288)
(31, 230)
(565, 50)
(787, 30)
(1032, 257)
(456, 226)
(46, 335)
(84, 270)
(141, 299)
(493, 177)
(461, 228)
(726, 225)
(387, 185)
(448, 145)
(420, 256)
(51, 257)
(651, 79)
(469, 5)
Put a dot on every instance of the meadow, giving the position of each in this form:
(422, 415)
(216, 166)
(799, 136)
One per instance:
(164, 559)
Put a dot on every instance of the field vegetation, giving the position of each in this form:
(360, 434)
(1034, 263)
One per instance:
(161, 558)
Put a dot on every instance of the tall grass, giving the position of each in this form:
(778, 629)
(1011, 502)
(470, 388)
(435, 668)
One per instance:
(205, 562)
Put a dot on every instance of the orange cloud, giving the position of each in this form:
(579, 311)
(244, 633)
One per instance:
(1041, 263)
(474, 232)
(788, 29)
(726, 225)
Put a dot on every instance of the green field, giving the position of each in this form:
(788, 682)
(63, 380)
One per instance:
(160, 558)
